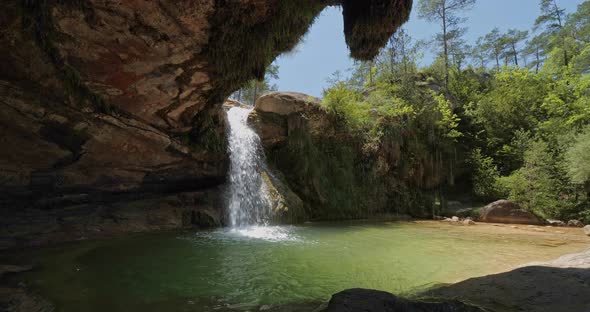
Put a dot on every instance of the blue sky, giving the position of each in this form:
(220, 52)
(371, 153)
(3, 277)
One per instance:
(323, 50)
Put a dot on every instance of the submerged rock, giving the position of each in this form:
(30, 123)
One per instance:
(366, 300)
(504, 211)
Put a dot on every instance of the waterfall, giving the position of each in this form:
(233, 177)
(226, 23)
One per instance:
(248, 202)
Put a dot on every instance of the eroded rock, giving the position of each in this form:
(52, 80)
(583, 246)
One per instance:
(103, 103)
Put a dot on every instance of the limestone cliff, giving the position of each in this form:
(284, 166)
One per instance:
(111, 110)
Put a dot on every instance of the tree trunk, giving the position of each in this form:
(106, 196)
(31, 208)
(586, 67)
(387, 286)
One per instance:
(538, 60)
(445, 46)
(515, 55)
(255, 93)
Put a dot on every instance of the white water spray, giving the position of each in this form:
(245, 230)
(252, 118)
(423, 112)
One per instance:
(248, 200)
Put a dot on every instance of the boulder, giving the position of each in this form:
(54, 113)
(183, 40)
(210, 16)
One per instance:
(575, 223)
(455, 219)
(587, 230)
(366, 300)
(285, 103)
(505, 211)
(468, 222)
(552, 222)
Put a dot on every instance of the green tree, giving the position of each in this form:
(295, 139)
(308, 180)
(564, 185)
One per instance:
(446, 12)
(552, 20)
(255, 88)
(493, 43)
(578, 159)
(535, 186)
(512, 40)
(536, 48)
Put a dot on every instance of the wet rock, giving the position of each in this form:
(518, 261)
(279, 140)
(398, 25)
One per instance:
(575, 223)
(366, 300)
(468, 222)
(504, 211)
(286, 206)
(552, 222)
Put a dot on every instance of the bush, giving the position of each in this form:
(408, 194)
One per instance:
(485, 176)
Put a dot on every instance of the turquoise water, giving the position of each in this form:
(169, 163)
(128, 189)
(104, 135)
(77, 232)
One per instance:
(225, 269)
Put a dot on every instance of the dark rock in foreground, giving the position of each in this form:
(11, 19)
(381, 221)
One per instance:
(505, 211)
(366, 300)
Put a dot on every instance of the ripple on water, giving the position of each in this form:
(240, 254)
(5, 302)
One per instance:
(251, 233)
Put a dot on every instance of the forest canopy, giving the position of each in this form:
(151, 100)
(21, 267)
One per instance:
(509, 114)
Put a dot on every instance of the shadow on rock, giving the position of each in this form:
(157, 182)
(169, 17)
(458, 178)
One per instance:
(366, 300)
(531, 289)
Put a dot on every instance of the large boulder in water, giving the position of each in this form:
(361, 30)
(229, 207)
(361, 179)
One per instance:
(366, 300)
(505, 211)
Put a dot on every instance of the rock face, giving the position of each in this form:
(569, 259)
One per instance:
(366, 300)
(559, 285)
(110, 111)
(504, 211)
(335, 172)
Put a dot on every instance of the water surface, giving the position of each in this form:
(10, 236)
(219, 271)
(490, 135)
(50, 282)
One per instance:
(243, 269)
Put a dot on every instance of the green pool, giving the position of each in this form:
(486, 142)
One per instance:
(224, 269)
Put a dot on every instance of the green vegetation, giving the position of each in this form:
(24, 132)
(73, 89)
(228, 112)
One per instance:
(249, 93)
(517, 129)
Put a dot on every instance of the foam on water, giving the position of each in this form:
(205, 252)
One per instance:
(267, 233)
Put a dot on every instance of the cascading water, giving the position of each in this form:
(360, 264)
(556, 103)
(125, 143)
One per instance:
(248, 202)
